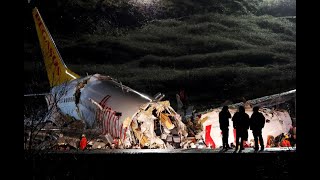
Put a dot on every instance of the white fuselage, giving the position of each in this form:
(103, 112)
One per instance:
(97, 93)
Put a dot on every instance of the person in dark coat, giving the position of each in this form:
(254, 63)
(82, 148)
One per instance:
(257, 121)
(241, 124)
(224, 116)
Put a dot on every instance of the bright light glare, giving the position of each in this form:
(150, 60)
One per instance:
(142, 95)
(71, 75)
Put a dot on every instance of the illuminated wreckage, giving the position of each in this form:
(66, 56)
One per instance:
(135, 119)
(141, 128)
(119, 112)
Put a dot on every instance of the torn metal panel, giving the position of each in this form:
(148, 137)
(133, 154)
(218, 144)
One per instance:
(144, 122)
(99, 145)
(165, 120)
(109, 138)
(61, 140)
(269, 101)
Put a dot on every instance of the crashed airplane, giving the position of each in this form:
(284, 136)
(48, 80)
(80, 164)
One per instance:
(133, 118)
(104, 103)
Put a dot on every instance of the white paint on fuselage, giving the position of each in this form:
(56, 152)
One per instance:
(65, 99)
(122, 99)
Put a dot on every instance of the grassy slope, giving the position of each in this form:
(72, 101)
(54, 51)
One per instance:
(223, 57)
(215, 56)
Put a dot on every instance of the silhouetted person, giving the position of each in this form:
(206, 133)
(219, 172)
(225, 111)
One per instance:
(179, 102)
(241, 124)
(183, 97)
(224, 116)
(257, 121)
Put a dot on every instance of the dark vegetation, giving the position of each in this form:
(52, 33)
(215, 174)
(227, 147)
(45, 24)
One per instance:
(217, 50)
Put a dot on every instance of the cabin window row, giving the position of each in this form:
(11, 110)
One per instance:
(68, 99)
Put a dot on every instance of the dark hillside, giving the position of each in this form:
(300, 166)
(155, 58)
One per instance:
(218, 50)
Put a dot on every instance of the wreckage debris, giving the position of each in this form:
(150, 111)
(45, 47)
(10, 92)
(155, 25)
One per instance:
(157, 125)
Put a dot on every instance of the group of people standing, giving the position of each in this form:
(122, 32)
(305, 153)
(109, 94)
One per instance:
(241, 123)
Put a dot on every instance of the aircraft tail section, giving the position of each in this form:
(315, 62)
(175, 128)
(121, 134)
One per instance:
(57, 71)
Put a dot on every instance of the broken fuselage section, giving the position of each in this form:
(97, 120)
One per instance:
(278, 120)
(119, 112)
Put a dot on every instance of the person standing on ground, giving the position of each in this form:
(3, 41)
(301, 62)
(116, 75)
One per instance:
(241, 124)
(224, 116)
(83, 142)
(257, 122)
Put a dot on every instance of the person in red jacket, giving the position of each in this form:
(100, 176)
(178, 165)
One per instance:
(83, 142)
(286, 142)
